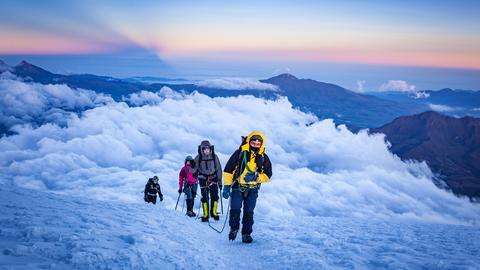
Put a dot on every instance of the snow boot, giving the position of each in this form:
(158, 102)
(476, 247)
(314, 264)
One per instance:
(213, 209)
(190, 212)
(246, 238)
(232, 234)
(205, 212)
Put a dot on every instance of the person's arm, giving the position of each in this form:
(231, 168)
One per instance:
(229, 170)
(194, 169)
(181, 177)
(264, 176)
(159, 192)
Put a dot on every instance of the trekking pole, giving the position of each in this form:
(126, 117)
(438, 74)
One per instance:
(178, 199)
(221, 197)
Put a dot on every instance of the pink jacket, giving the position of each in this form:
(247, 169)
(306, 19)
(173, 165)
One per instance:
(185, 174)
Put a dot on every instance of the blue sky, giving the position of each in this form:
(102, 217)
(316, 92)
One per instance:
(432, 44)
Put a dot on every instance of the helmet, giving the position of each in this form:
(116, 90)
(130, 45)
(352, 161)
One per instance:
(155, 179)
(188, 158)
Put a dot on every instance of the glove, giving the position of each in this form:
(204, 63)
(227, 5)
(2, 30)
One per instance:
(250, 177)
(226, 192)
(179, 191)
(161, 197)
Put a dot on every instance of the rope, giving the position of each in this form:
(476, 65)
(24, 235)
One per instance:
(198, 211)
(224, 223)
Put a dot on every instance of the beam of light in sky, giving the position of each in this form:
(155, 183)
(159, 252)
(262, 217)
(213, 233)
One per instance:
(427, 33)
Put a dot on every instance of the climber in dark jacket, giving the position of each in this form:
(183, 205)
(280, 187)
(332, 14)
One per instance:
(245, 171)
(151, 189)
(209, 173)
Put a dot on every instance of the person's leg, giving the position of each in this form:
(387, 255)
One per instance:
(188, 193)
(214, 200)
(154, 199)
(248, 208)
(235, 206)
(194, 188)
(204, 190)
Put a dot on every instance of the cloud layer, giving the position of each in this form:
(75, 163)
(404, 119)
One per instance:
(444, 108)
(397, 85)
(33, 103)
(109, 151)
(237, 84)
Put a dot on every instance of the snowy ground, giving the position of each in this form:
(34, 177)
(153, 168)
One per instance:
(41, 230)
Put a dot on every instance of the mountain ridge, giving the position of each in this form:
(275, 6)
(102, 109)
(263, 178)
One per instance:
(450, 146)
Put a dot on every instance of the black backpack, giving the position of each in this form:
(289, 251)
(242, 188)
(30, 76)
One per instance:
(212, 149)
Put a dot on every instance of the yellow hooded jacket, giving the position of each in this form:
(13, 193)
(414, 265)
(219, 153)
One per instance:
(256, 161)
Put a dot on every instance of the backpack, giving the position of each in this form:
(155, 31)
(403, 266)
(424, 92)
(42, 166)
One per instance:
(212, 149)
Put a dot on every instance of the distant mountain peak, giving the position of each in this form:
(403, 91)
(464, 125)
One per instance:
(38, 74)
(283, 76)
(288, 82)
(287, 75)
(25, 64)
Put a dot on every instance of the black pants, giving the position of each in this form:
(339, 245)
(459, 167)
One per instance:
(151, 199)
(208, 187)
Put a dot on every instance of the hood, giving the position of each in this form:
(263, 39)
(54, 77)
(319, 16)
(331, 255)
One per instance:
(205, 144)
(246, 147)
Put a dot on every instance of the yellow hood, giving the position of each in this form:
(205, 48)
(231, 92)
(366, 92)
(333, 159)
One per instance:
(246, 147)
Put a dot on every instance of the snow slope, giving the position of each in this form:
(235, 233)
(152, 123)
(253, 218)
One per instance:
(47, 231)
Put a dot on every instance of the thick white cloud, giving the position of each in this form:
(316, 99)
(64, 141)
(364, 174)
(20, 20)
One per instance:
(319, 169)
(237, 84)
(151, 98)
(443, 108)
(397, 85)
(22, 102)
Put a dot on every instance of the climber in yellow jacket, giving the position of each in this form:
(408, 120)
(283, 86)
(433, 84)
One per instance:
(245, 171)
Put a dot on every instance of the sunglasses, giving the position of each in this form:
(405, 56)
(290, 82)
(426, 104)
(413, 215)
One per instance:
(256, 142)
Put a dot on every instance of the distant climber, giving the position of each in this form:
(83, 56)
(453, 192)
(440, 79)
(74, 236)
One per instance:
(188, 184)
(152, 188)
(244, 172)
(209, 173)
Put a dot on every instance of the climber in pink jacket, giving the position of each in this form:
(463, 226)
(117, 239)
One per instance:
(188, 184)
